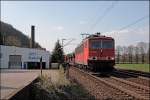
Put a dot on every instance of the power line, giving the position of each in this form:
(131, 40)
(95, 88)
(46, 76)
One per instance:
(102, 16)
(129, 25)
(69, 42)
(140, 19)
(137, 29)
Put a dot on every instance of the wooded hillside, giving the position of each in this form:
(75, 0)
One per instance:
(13, 37)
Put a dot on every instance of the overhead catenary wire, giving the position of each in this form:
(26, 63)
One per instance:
(100, 18)
(135, 22)
(68, 42)
(131, 24)
(135, 29)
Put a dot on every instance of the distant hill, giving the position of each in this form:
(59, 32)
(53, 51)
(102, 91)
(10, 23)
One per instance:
(13, 37)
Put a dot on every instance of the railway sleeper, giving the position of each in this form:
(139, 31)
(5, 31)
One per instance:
(128, 92)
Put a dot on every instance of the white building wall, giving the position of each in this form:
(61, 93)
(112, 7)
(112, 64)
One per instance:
(28, 55)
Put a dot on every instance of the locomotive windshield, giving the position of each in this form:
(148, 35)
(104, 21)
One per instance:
(95, 44)
(107, 44)
(101, 44)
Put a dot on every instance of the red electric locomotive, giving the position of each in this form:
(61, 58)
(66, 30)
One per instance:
(96, 52)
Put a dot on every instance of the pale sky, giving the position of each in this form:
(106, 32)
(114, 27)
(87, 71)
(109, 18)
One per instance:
(55, 20)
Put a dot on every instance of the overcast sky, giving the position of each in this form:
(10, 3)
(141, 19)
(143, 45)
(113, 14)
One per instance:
(55, 20)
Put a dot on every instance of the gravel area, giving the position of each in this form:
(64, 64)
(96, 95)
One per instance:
(96, 88)
(136, 79)
(136, 89)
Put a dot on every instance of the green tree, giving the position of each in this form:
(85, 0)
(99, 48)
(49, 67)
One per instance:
(57, 54)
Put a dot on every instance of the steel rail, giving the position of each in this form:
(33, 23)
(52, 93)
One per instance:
(119, 87)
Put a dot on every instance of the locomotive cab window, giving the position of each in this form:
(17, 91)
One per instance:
(107, 44)
(95, 44)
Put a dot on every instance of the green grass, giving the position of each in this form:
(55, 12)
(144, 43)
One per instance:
(140, 67)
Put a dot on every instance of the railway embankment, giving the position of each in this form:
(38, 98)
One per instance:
(112, 87)
(53, 87)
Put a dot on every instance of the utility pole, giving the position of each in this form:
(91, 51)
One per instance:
(41, 65)
(63, 42)
(63, 45)
(66, 64)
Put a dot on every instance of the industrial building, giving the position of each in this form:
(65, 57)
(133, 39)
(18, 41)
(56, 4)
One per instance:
(12, 57)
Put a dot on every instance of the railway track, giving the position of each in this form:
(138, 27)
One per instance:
(136, 90)
(114, 87)
(135, 73)
(132, 78)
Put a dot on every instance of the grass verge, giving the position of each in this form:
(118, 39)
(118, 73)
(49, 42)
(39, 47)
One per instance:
(139, 67)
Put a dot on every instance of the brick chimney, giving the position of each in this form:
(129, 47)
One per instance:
(32, 42)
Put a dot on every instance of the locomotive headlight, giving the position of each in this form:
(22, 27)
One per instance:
(94, 58)
(112, 58)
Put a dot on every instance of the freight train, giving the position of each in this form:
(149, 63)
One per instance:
(96, 52)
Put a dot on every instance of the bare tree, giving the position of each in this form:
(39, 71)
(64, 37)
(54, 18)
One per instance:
(130, 53)
(143, 47)
(118, 51)
(124, 54)
(148, 55)
(136, 54)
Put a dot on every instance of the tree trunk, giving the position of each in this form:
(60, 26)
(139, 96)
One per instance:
(143, 55)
